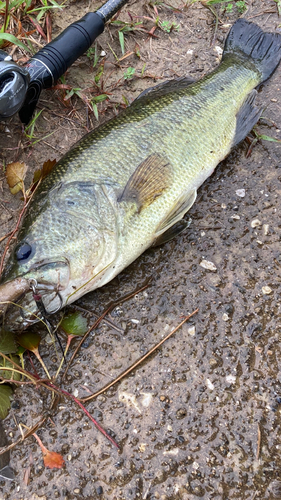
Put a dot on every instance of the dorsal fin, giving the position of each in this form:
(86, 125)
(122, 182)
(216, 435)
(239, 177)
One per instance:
(148, 181)
(164, 88)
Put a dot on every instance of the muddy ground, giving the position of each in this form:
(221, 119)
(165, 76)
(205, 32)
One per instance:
(201, 418)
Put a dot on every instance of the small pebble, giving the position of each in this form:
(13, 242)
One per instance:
(76, 491)
(99, 490)
(236, 217)
(209, 384)
(223, 205)
(265, 229)
(103, 53)
(266, 290)
(135, 321)
(240, 192)
(218, 49)
(207, 264)
(191, 330)
(255, 223)
(213, 362)
(273, 100)
(230, 379)
(225, 317)
(275, 488)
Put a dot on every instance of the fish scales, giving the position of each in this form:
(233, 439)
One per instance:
(128, 184)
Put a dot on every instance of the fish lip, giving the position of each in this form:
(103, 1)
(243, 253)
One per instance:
(46, 279)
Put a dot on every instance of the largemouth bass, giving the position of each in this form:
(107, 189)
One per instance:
(128, 184)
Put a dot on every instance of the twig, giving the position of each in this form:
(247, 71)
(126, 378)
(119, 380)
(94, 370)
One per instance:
(16, 228)
(33, 429)
(97, 322)
(108, 322)
(139, 361)
(258, 443)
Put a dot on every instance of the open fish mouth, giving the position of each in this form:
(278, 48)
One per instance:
(35, 295)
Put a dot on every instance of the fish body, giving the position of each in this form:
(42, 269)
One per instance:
(128, 184)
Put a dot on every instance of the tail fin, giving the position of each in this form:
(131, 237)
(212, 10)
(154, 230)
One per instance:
(247, 40)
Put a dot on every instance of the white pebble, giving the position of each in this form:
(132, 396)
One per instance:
(265, 229)
(219, 50)
(172, 452)
(255, 223)
(225, 317)
(231, 379)
(209, 384)
(240, 192)
(191, 330)
(135, 321)
(236, 217)
(103, 53)
(266, 290)
(146, 400)
(223, 205)
(75, 393)
(190, 51)
(207, 264)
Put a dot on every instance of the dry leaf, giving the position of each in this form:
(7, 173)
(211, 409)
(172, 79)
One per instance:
(44, 171)
(15, 175)
(51, 459)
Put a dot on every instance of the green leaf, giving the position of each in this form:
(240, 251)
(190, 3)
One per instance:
(129, 73)
(95, 110)
(9, 374)
(122, 42)
(12, 39)
(6, 393)
(29, 340)
(268, 138)
(7, 342)
(74, 324)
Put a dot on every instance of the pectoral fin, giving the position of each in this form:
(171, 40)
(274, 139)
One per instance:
(148, 181)
(182, 205)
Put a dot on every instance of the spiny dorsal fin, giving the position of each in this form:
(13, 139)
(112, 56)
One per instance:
(182, 205)
(246, 118)
(148, 181)
(164, 88)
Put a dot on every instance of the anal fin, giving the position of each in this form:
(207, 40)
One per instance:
(246, 118)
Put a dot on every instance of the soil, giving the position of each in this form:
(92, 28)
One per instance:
(200, 418)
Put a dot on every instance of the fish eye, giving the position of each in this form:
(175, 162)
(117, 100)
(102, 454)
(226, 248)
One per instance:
(23, 251)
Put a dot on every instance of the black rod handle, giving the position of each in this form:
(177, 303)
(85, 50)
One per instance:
(51, 62)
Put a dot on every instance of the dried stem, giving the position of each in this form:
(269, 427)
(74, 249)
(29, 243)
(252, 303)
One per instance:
(138, 362)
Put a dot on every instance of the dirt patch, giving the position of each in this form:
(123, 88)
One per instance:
(200, 418)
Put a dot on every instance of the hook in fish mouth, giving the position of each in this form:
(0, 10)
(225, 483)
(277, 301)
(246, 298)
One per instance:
(42, 308)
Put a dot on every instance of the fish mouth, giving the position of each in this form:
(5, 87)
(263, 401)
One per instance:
(34, 295)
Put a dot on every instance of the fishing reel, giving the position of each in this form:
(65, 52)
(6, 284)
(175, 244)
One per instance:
(20, 87)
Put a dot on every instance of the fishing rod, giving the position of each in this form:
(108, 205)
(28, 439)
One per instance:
(20, 87)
